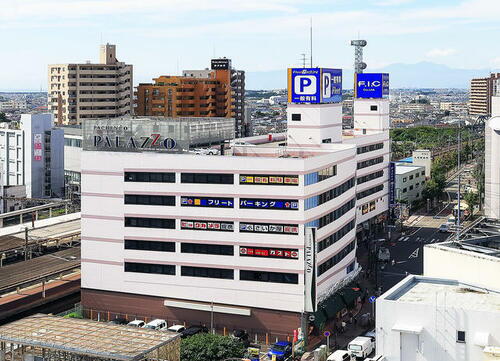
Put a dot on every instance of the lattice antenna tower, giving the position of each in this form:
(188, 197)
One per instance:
(359, 66)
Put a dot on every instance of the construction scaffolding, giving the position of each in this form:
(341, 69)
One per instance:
(49, 338)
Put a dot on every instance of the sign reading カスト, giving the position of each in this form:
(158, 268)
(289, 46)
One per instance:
(371, 85)
(314, 85)
(269, 252)
(37, 147)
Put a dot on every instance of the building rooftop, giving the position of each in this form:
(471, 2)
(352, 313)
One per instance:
(402, 169)
(448, 293)
(85, 337)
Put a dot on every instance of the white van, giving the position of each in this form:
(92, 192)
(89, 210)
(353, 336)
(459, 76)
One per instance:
(341, 355)
(136, 323)
(361, 346)
(157, 324)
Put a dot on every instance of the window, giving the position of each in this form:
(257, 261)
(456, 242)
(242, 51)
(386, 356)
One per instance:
(461, 336)
(150, 177)
(274, 277)
(370, 162)
(201, 248)
(289, 180)
(149, 245)
(373, 108)
(411, 188)
(404, 179)
(411, 177)
(207, 226)
(213, 202)
(327, 140)
(417, 175)
(256, 203)
(207, 272)
(327, 172)
(332, 216)
(296, 117)
(405, 190)
(334, 237)
(329, 195)
(163, 269)
(332, 261)
(370, 191)
(269, 228)
(370, 177)
(149, 222)
(152, 200)
(210, 178)
(370, 148)
(423, 173)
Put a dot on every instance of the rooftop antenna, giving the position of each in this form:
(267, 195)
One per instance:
(359, 66)
(311, 42)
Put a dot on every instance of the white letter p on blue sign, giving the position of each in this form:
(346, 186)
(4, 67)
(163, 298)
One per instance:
(327, 85)
(305, 85)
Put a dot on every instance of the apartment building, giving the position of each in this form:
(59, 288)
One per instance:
(481, 91)
(410, 182)
(258, 238)
(215, 92)
(83, 91)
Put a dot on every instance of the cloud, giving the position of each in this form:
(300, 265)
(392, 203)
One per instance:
(440, 52)
(392, 2)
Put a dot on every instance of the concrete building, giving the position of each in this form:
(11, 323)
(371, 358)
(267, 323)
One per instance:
(410, 182)
(481, 91)
(258, 235)
(473, 260)
(72, 159)
(83, 91)
(32, 157)
(423, 318)
(423, 157)
(492, 162)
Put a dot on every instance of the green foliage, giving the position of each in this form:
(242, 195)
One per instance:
(3, 117)
(209, 347)
(472, 200)
(74, 315)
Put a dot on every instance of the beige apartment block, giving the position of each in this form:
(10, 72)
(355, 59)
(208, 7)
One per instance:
(481, 91)
(87, 91)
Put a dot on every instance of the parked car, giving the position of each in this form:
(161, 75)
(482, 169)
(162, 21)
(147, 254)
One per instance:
(193, 330)
(239, 142)
(136, 323)
(371, 334)
(384, 255)
(361, 347)
(282, 349)
(341, 355)
(444, 228)
(157, 324)
(242, 335)
(118, 321)
(176, 328)
(205, 151)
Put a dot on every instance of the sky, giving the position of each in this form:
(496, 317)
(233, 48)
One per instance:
(163, 37)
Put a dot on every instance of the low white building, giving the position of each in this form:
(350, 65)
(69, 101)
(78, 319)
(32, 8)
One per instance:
(423, 318)
(423, 157)
(410, 182)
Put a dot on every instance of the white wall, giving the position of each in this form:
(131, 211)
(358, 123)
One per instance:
(366, 118)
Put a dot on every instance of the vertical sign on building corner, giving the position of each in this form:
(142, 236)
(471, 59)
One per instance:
(392, 184)
(37, 147)
(310, 270)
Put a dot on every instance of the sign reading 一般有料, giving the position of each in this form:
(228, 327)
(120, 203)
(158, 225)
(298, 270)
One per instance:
(314, 85)
(371, 85)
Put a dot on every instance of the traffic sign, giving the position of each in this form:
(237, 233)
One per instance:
(372, 299)
(326, 333)
(312, 318)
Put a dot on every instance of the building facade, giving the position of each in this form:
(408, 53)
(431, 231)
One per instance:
(423, 157)
(481, 91)
(254, 238)
(423, 318)
(83, 91)
(410, 182)
(32, 157)
(492, 162)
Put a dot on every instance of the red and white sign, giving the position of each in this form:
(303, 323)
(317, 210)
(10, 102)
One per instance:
(37, 147)
(269, 252)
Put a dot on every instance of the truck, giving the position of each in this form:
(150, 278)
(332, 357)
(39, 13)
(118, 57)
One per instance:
(361, 346)
(341, 355)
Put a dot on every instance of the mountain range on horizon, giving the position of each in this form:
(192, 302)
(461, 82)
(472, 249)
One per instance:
(420, 75)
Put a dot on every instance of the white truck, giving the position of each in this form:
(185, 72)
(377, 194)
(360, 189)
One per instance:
(361, 347)
(341, 355)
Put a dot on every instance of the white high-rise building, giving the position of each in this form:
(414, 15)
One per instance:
(492, 162)
(254, 238)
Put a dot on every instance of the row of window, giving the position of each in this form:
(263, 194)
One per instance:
(154, 200)
(149, 222)
(337, 191)
(332, 261)
(321, 175)
(371, 176)
(370, 162)
(207, 272)
(369, 191)
(331, 239)
(370, 148)
(336, 214)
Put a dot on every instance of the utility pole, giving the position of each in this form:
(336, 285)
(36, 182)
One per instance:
(212, 317)
(25, 243)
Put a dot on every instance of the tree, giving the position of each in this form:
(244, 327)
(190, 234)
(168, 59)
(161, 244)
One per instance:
(3, 118)
(472, 199)
(209, 347)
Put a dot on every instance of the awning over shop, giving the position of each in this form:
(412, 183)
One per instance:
(413, 329)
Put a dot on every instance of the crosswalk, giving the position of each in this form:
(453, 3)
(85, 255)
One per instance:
(419, 239)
